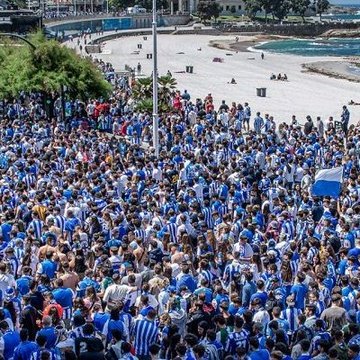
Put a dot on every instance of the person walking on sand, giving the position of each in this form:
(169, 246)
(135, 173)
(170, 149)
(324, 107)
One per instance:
(320, 126)
(262, 56)
(258, 123)
(247, 115)
(345, 118)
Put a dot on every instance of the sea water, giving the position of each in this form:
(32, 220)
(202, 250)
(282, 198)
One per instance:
(345, 17)
(317, 47)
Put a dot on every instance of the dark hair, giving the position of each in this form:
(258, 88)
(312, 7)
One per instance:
(4, 325)
(24, 334)
(211, 334)
(69, 355)
(117, 334)
(269, 343)
(88, 329)
(238, 322)
(305, 345)
(154, 349)
(41, 340)
(44, 355)
(191, 339)
(180, 349)
(199, 350)
(254, 342)
(125, 347)
(151, 314)
(114, 314)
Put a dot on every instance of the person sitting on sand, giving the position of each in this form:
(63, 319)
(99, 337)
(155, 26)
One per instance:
(233, 81)
(285, 77)
(279, 77)
(352, 102)
(273, 76)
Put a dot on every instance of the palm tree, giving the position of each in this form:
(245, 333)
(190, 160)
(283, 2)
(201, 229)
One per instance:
(167, 85)
(143, 90)
(144, 105)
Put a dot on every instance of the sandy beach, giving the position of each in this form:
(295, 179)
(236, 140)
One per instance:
(306, 93)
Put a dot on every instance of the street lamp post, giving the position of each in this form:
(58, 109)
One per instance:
(155, 84)
(33, 47)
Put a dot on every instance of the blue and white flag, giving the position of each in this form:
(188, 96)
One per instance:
(328, 182)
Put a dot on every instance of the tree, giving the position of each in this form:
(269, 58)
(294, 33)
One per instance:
(48, 68)
(280, 8)
(147, 4)
(300, 7)
(120, 4)
(266, 5)
(252, 7)
(143, 90)
(208, 9)
(167, 85)
(321, 6)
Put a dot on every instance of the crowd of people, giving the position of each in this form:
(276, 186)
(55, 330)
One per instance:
(214, 250)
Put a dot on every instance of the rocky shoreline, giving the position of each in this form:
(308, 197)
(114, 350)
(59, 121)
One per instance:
(347, 69)
(344, 33)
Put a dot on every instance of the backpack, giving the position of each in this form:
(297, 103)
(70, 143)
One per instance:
(111, 354)
(308, 331)
(211, 352)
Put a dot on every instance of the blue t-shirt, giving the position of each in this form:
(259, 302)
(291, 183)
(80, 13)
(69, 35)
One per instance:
(11, 341)
(300, 291)
(22, 284)
(260, 295)
(24, 350)
(49, 268)
(63, 297)
(260, 355)
(100, 320)
(51, 336)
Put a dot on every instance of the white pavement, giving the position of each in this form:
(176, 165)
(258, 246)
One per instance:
(304, 93)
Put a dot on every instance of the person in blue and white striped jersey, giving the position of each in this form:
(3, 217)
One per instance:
(145, 333)
(237, 339)
(35, 226)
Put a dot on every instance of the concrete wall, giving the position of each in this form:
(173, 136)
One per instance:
(135, 32)
(175, 20)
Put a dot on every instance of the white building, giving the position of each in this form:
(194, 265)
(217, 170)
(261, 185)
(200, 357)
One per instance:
(228, 7)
